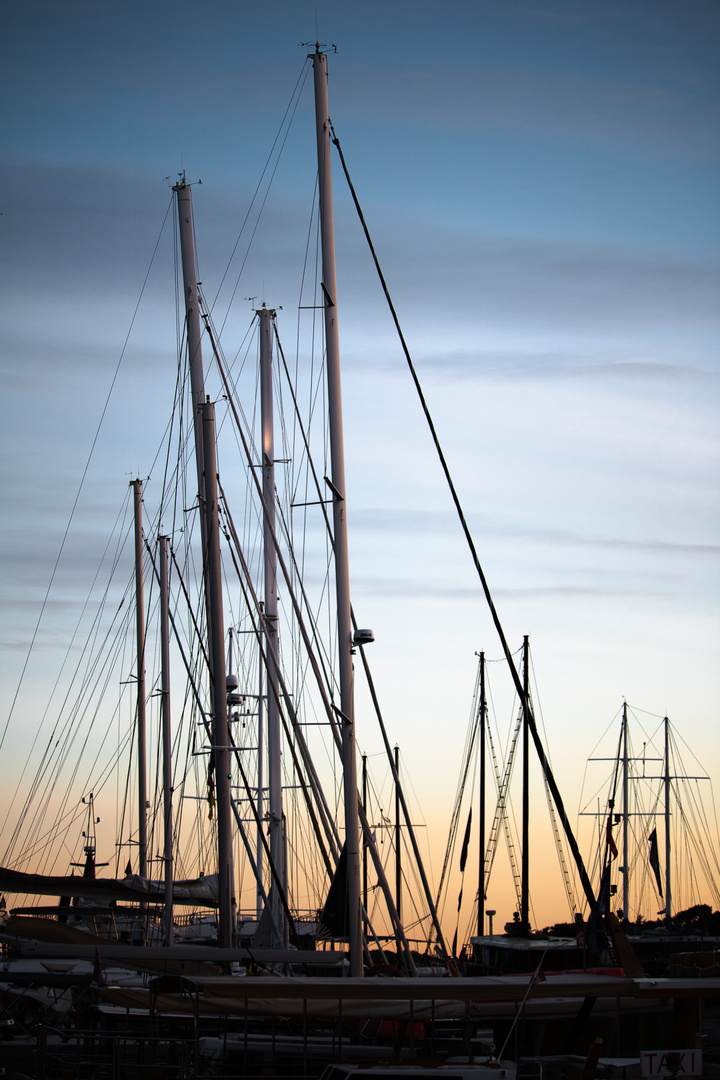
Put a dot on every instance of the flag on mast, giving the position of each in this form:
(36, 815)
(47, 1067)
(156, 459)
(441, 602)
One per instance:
(609, 839)
(655, 859)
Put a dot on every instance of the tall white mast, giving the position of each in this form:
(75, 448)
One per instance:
(337, 457)
(204, 428)
(279, 921)
(186, 225)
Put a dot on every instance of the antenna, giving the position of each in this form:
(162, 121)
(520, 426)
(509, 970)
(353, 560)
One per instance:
(320, 46)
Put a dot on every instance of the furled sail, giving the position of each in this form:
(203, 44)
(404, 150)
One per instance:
(133, 888)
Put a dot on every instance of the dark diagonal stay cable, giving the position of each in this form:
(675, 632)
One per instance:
(587, 887)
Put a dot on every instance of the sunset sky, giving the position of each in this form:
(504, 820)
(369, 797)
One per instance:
(541, 182)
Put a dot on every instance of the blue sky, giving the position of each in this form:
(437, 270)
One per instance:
(541, 181)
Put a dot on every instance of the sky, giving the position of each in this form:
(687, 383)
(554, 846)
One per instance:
(541, 183)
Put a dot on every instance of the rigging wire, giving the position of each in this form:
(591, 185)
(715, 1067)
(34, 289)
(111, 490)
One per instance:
(82, 479)
(294, 97)
(121, 528)
(694, 840)
(564, 873)
(468, 761)
(56, 753)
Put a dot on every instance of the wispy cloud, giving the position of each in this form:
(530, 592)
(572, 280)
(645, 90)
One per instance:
(427, 522)
(544, 104)
(422, 589)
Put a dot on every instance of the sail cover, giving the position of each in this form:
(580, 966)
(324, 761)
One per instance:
(133, 888)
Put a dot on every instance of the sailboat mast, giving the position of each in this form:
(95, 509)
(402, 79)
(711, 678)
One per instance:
(204, 429)
(140, 723)
(525, 882)
(365, 847)
(220, 736)
(260, 796)
(481, 882)
(337, 457)
(398, 841)
(626, 814)
(668, 891)
(186, 225)
(166, 738)
(279, 921)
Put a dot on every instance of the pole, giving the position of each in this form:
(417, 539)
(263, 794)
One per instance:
(183, 193)
(265, 317)
(203, 422)
(398, 841)
(166, 738)
(668, 792)
(481, 872)
(337, 457)
(260, 770)
(220, 738)
(525, 884)
(140, 718)
(626, 814)
(365, 847)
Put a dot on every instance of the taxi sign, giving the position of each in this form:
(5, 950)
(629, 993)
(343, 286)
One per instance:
(671, 1062)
